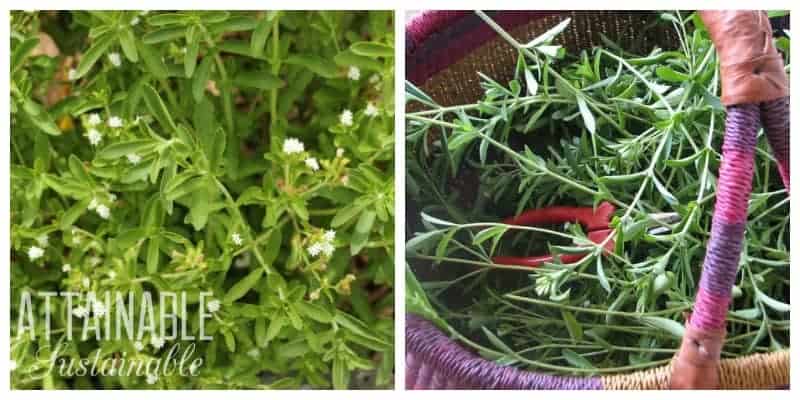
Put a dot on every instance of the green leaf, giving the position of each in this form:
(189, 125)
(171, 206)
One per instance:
(21, 51)
(201, 76)
(98, 49)
(73, 213)
(670, 75)
(168, 18)
(314, 63)
(243, 286)
(128, 43)
(573, 326)
(259, 37)
(152, 60)
(497, 342)
(601, 275)
(347, 59)
(163, 35)
(576, 359)
(530, 83)
(548, 36)
(667, 325)
(314, 311)
(121, 149)
(361, 234)
(41, 118)
(372, 49)
(341, 376)
(152, 254)
(586, 114)
(190, 58)
(772, 303)
(258, 80)
(158, 109)
(345, 214)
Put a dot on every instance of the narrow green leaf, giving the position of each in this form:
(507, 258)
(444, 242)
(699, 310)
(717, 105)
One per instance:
(201, 76)
(586, 114)
(98, 49)
(670, 326)
(372, 49)
(158, 109)
(314, 63)
(243, 286)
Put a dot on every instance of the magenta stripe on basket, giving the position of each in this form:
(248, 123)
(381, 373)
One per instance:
(436, 354)
(730, 218)
(709, 311)
(437, 39)
(775, 118)
(734, 186)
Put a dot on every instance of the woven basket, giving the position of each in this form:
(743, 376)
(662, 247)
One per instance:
(444, 50)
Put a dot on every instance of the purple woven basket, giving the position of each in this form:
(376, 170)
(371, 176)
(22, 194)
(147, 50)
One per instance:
(443, 50)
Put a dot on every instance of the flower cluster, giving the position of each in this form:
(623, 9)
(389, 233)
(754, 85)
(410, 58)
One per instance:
(323, 245)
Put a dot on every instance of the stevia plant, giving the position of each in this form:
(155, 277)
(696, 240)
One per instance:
(642, 132)
(247, 156)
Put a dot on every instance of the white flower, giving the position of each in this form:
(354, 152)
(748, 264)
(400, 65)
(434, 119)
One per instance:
(339, 152)
(237, 239)
(12, 365)
(103, 211)
(243, 261)
(92, 205)
(157, 342)
(66, 267)
(115, 122)
(86, 282)
(72, 74)
(112, 197)
(353, 73)
(43, 240)
(371, 110)
(254, 353)
(134, 158)
(328, 249)
(112, 274)
(345, 179)
(135, 21)
(99, 308)
(312, 163)
(374, 78)
(315, 249)
(80, 311)
(138, 345)
(346, 118)
(214, 305)
(94, 261)
(152, 379)
(94, 119)
(292, 145)
(94, 137)
(329, 235)
(35, 252)
(115, 59)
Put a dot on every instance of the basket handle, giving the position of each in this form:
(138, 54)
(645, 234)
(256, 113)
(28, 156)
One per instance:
(753, 78)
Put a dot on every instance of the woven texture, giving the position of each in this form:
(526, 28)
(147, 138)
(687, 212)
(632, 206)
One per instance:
(443, 57)
(434, 361)
(730, 218)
